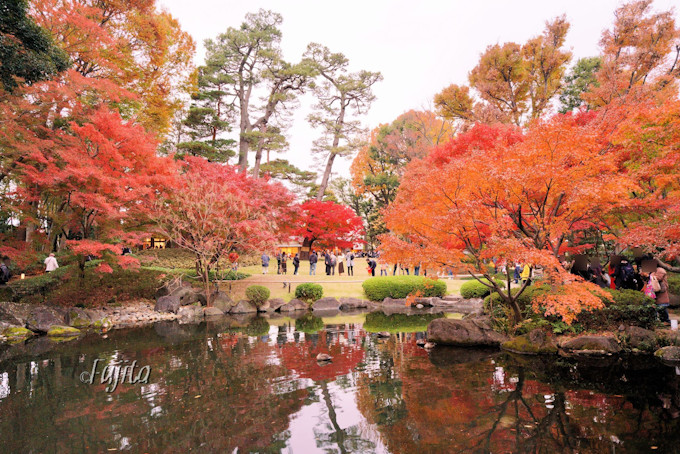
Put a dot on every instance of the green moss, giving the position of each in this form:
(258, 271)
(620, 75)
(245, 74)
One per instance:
(523, 345)
(62, 331)
(103, 324)
(79, 322)
(17, 333)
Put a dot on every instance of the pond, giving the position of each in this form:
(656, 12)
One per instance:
(254, 385)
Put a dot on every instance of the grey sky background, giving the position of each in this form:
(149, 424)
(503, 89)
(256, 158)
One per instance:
(419, 47)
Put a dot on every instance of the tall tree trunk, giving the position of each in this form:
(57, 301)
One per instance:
(326, 177)
(258, 152)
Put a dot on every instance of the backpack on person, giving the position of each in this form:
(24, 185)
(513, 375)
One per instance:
(628, 272)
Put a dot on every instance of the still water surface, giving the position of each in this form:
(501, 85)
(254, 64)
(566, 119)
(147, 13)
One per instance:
(254, 385)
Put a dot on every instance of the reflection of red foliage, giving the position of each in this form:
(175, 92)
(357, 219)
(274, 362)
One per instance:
(301, 358)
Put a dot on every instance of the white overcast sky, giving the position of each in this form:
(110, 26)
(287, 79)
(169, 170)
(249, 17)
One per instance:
(419, 47)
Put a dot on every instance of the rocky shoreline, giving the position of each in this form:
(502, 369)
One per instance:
(627, 339)
(181, 302)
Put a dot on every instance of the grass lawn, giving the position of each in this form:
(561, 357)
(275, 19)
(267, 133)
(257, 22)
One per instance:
(336, 286)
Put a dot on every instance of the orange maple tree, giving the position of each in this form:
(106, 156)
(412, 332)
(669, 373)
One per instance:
(495, 192)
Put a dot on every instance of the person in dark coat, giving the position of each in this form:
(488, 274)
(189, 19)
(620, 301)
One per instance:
(296, 264)
(371, 266)
(313, 258)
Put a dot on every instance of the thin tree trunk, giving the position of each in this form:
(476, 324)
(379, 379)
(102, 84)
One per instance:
(326, 177)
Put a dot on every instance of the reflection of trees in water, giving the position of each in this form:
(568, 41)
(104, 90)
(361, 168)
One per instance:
(478, 404)
(412, 402)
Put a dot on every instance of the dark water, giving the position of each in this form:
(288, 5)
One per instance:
(243, 385)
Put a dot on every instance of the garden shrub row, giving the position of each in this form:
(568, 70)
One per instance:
(379, 288)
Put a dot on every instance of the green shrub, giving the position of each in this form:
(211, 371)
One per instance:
(379, 288)
(525, 299)
(308, 292)
(474, 289)
(98, 288)
(627, 297)
(37, 285)
(674, 284)
(613, 316)
(257, 294)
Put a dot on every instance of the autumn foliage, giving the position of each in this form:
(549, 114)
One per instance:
(327, 224)
(213, 211)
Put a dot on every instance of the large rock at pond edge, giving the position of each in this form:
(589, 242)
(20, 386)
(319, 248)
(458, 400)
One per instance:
(183, 296)
(536, 342)
(590, 346)
(170, 287)
(326, 304)
(223, 302)
(17, 333)
(190, 313)
(14, 314)
(63, 331)
(389, 302)
(473, 332)
(273, 304)
(42, 317)
(348, 304)
(212, 312)
(640, 338)
(78, 318)
(668, 354)
(294, 305)
(167, 303)
(243, 307)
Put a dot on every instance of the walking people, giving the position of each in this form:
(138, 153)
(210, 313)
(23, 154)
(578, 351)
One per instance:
(383, 269)
(313, 258)
(518, 270)
(334, 263)
(296, 264)
(278, 263)
(51, 263)
(526, 274)
(284, 263)
(341, 265)
(327, 261)
(265, 263)
(350, 263)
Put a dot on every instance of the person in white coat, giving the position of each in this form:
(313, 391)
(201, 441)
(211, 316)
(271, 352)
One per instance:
(51, 263)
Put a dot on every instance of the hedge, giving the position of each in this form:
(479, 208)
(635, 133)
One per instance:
(474, 289)
(308, 292)
(379, 288)
(257, 294)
